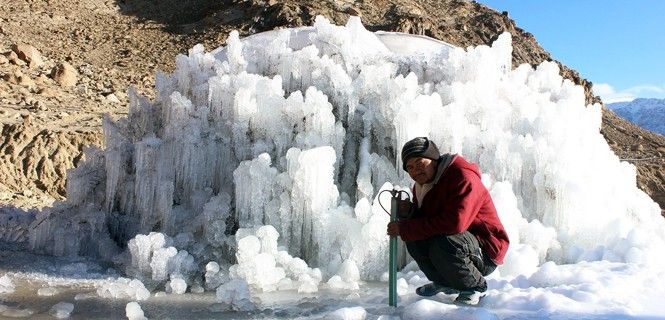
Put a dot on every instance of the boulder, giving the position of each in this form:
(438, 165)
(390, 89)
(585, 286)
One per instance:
(13, 58)
(65, 75)
(29, 54)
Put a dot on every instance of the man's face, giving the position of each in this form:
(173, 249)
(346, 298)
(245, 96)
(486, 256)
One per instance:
(421, 170)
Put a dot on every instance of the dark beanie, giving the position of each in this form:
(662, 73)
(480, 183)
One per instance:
(419, 147)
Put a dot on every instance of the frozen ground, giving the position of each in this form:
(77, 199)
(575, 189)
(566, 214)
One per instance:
(598, 290)
(291, 136)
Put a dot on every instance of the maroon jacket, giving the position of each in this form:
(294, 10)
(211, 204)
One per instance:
(458, 202)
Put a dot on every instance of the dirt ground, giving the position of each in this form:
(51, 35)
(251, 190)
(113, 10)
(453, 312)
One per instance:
(82, 55)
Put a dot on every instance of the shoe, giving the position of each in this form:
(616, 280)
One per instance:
(431, 289)
(470, 297)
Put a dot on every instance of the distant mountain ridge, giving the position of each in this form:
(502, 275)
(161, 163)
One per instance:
(646, 113)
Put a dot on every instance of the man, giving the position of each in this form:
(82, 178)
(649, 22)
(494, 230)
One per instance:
(455, 235)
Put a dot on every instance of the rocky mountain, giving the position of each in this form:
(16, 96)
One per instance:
(646, 113)
(66, 63)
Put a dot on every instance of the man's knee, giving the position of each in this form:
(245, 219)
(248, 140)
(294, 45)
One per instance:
(461, 243)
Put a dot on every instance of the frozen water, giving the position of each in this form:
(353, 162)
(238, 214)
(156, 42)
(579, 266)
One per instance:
(62, 310)
(214, 276)
(236, 295)
(269, 156)
(265, 268)
(13, 224)
(354, 313)
(153, 259)
(17, 313)
(47, 292)
(133, 311)
(177, 285)
(123, 288)
(347, 277)
(6, 285)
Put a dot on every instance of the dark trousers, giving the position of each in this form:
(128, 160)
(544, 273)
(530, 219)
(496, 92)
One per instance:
(455, 261)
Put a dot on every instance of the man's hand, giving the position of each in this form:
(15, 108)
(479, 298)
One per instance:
(393, 228)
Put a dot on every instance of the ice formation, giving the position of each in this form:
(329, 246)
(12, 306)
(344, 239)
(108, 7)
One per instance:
(123, 288)
(263, 266)
(347, 277)
(214, 275)
(269, 154)
(155, 260)
(355, 313)
(62, 310)
(133, 311)
(17, 312)
(177, 285)
(13, 224)
(235, 294)
(47, 292)
(6, 285)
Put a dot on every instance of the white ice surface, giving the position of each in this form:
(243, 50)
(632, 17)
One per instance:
(133, 311)
(62, 310)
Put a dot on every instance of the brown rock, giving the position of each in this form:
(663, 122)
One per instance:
(13, 58)
(65, 75)
(13, 78)
(112, 98)
(9, 78)
(42, 79)
(3, 60)
(28, 54)
(353, 11)
(47, 92)
(637, 147)
(25, 81)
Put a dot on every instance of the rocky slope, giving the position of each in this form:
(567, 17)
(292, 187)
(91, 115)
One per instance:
(83, 54)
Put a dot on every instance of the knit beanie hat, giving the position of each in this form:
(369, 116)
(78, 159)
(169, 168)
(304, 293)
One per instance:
(419, 147)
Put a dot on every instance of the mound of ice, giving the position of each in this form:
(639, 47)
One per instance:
(47, 292)
(301, 131)
(123, 288)
(62, 310)
(347, 277)
(177, 285)
(266, 268)
(133, 311)
(354, 313)
(428, 309)
(236, 295)
(6, 285)
(214, 275)
(154, 259)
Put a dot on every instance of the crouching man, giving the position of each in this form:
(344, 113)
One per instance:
(455, 235)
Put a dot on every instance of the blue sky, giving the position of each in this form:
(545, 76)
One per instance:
(619, 45)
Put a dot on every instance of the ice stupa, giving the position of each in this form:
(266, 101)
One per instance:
(261, 162)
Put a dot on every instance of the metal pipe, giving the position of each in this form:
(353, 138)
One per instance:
(392, 267)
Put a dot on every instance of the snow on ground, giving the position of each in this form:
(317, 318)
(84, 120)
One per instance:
(586, 290)
(291, 136)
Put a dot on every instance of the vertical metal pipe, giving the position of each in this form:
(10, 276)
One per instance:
(392, 268)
